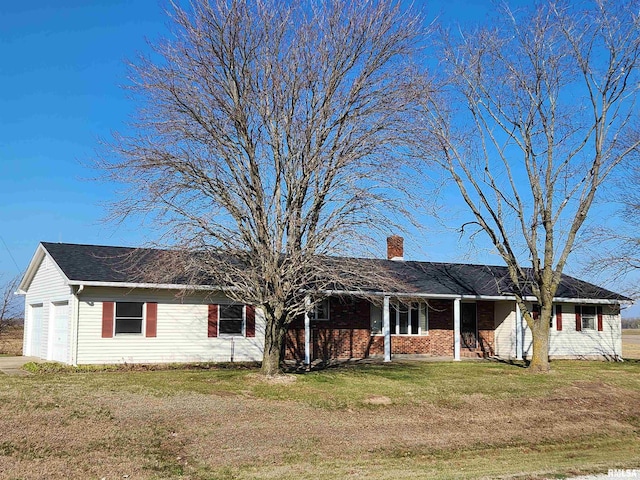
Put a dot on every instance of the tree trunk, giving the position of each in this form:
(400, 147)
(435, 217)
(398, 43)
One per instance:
(540, 331)
(274, 336)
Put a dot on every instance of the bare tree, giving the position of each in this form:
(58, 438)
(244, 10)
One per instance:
(534, 113)
(270, 135)
(10, 305)
(621, 253)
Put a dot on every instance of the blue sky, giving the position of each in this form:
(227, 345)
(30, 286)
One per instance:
(60, 92)
(63, 64)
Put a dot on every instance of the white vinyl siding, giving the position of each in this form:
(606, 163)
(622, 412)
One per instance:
(505, 325)
(181, 331)
(47, 287)
(586, 343)
(565, 343)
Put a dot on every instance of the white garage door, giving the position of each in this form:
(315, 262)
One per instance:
(60, 332)
(35, 346)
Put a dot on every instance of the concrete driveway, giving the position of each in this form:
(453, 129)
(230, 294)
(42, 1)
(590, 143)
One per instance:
(13, 365)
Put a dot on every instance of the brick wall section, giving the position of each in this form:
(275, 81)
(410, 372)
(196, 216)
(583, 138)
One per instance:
(345, 335)
(401, 344)
(410, 344)
(294, 344)
(486, 319)
(441, 328)
(341, 343)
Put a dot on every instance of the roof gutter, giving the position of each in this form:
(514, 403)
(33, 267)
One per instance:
(161, 286)
(174, 286)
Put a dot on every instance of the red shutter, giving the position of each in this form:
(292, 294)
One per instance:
(108, 309)
(578, 318)
(559, 318)
(599, 310)
(250, 311)
(212, 321)
(152, 319)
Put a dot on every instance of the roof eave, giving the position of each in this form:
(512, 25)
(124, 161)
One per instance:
(157, 286)
(453, 296)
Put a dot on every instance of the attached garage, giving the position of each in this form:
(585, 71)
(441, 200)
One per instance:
(48, 310)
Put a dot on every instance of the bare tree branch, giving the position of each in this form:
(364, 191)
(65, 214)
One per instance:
(10, 304)
(271, 134)
(533, 115)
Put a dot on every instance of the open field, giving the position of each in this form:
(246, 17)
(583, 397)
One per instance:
(11, 340)
(410, 420)
(631, 343)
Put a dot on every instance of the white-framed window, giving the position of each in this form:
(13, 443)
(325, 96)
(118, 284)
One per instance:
(425, 315)
(404, 319)
(320, 311)
(588, 315)
(231, 319)
(375, 313)
(129, 318)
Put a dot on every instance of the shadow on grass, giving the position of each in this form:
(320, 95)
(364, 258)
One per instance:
(351, 364)
(511, 362)
(632, 361)
(369, 363)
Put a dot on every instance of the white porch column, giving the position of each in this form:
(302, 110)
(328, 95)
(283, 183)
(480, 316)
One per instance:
(307, 331)
(456, 329)
(519, 339)
(386, 330)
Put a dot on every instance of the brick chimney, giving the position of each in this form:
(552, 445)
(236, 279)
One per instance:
(395, 247)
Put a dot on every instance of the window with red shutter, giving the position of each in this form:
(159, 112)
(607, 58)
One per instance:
(108, 309)
(600, 323)
(250, 314)
(588, 317)
(559, 318)
(152, 320)
(129, 318)
(212, 321)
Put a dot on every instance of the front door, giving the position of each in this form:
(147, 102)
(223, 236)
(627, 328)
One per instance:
(468, 326)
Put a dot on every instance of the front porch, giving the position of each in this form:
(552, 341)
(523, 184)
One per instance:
(356, 328)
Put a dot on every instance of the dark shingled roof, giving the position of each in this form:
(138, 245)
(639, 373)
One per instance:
(94, 263)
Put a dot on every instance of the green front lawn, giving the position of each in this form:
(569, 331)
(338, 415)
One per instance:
(400, 420)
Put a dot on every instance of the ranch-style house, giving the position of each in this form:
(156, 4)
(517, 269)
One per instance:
(83, 308)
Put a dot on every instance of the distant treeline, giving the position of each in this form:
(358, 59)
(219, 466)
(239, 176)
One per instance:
(631, 323)
(14, 321)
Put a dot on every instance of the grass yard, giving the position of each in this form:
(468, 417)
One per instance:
(11, 340)
(402, 420)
